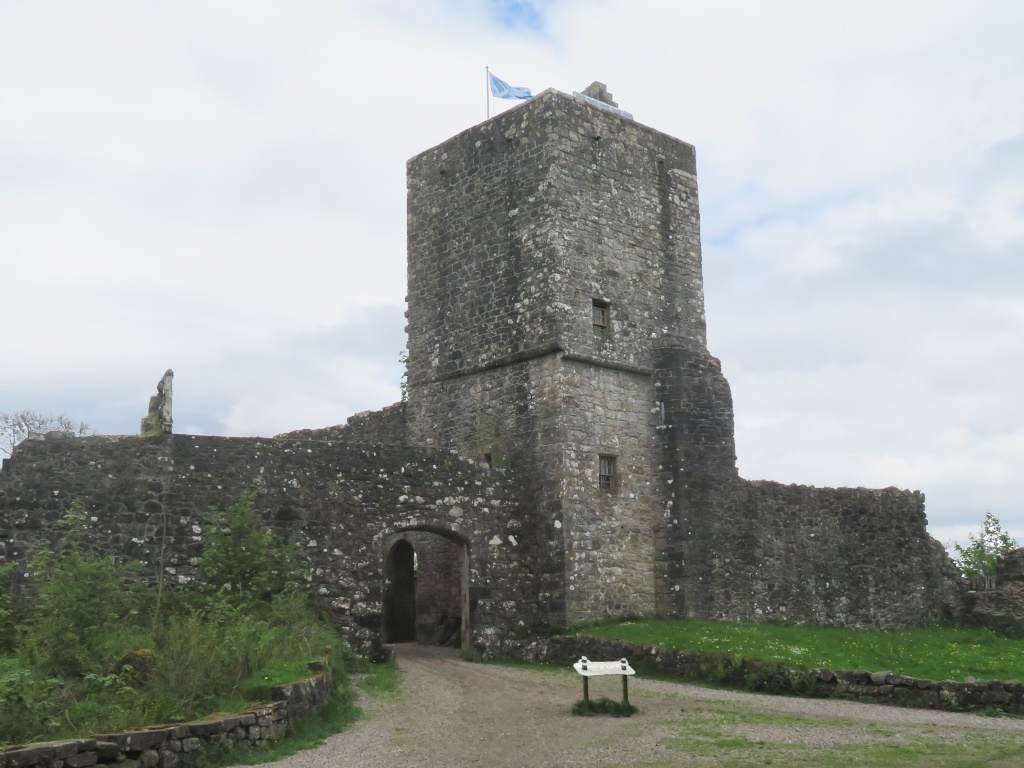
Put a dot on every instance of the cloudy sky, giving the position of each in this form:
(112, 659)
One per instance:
(219, 188)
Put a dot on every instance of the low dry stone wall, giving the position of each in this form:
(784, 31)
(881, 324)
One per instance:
(883, 687)
(166, 746)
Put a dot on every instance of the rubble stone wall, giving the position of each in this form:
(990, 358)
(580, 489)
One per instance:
(388, 426)
(145, 499)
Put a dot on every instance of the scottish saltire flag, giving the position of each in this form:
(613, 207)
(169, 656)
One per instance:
(503, 90)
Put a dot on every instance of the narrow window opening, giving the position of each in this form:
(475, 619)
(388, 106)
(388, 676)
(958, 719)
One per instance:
(608, 478)
(489, 460)
(602, 320)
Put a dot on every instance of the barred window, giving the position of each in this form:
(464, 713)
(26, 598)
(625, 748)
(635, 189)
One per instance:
(602, 320)
(608, 477)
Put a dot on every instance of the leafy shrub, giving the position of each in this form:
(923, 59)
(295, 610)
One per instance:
(978, 559)
(241, 557)
(92, 652)
(86, 607)
(8, 614)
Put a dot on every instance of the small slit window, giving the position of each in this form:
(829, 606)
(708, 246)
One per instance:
(602, 320)
(608, 478)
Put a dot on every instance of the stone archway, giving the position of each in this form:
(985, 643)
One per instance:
(426, 571)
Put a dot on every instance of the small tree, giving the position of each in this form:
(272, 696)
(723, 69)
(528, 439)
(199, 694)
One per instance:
(978, 559)
(241, 556)
(84, 604)
(15, 426)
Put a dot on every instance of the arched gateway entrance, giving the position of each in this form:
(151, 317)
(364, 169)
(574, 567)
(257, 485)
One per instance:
(426, 588)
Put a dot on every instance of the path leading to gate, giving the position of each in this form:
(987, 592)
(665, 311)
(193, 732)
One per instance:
(451, 713)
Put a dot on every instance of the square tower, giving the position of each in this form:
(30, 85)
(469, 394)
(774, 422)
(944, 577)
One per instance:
(554, 271)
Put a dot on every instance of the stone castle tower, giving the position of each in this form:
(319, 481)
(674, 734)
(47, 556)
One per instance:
(556, 326)
(557, 333)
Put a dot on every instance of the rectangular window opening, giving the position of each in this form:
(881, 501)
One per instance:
(602, 320)
(608, 477)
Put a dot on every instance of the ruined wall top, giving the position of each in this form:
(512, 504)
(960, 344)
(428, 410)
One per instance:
(158, 420)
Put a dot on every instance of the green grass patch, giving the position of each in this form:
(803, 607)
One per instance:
(932, 652)
(730, 734)
(382, 679)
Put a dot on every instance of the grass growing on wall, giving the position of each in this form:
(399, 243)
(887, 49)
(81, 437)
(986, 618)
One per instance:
(933, 652)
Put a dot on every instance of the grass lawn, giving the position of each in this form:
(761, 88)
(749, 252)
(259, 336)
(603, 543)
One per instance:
(933, 652)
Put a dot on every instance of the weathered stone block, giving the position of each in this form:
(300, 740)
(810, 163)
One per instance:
(108, 751)
(65, 749)
(29, 756)
(81, 760)
(140, 741)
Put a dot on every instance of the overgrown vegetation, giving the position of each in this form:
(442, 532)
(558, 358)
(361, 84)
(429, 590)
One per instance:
(978, 559)
(933, 652)
(91, 648)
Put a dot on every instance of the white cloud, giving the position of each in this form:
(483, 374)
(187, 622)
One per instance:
(219, 188)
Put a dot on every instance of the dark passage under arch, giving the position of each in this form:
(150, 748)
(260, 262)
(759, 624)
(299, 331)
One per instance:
(400, 594)
(426, 588)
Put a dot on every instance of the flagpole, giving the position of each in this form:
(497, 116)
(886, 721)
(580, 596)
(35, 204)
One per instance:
(487, 75)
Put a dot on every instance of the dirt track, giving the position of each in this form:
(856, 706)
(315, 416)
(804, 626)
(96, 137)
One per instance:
(451, 713)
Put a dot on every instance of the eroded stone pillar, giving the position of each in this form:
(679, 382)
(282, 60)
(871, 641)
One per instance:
(158, 421)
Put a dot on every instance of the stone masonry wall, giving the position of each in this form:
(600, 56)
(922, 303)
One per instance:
(512, 419)
(516, 227)
(145, 498)
(438, 579)
(610, 545)
(849, 557)
(388, 426)
(698, 460)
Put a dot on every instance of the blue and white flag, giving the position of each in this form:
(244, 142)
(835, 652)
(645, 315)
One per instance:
(503, 90)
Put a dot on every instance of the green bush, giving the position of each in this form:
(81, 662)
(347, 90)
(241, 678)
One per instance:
(8, 613)
(241, 557)
(979, 558)
(91, 652)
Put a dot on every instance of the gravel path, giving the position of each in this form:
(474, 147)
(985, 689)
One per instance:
(451, 713)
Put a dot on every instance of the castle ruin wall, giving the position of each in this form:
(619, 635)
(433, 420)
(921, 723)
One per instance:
(341, 503)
